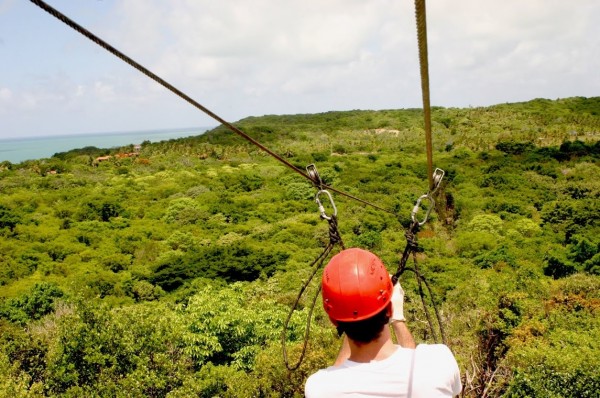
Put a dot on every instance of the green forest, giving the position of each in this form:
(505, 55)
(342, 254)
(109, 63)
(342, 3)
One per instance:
(171, 272)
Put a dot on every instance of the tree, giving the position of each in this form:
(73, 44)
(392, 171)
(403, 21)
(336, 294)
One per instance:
(489, 223)
(101, 209)
(184, 211)
(514, 148)
(8, 219)
(33, 305)
(557, 266)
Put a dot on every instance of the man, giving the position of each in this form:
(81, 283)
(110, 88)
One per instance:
(360, 300)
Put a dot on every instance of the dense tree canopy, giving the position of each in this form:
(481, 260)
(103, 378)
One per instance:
(171, 274)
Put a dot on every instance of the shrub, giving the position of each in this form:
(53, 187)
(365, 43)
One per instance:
(557, 266)
(33, 305)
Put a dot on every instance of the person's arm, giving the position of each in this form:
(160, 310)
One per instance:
(403, 335)
(344, 352)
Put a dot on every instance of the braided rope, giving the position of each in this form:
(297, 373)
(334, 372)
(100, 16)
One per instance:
(334, 233)
(424, 64)
(334, 239)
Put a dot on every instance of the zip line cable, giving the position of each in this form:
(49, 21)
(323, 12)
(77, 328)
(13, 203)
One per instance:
(60, 16)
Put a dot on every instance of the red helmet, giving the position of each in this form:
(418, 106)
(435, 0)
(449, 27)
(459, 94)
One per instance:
(356, 286)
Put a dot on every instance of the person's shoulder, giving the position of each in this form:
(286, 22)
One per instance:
(440, 361)
(436, 356)
(436, 351)
(319, 382)
(312, 384)
(321, 374)
(433, 348)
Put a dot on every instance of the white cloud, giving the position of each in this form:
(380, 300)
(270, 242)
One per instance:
(488, 52)
(243, 58)
(212, 39)
(104, 92)
(5, 94)
(5, 5)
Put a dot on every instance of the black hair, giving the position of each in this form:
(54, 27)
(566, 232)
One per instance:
(366, 330)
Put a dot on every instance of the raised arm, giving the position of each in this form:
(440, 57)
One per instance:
(398, 322)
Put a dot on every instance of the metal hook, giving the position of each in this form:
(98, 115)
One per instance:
(415, 209)
(322, 209)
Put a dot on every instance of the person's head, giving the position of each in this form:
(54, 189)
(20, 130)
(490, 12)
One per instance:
(357, 293)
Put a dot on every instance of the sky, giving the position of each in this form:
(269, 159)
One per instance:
(243, 58)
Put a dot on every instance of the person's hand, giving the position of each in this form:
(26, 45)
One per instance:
(397, 303)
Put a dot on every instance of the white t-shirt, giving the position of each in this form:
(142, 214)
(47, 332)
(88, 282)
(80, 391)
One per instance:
(434, 374)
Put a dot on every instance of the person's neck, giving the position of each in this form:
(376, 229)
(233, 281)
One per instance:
(376, 350)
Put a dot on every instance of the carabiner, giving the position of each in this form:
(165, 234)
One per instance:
(321, 208)
(415, 209)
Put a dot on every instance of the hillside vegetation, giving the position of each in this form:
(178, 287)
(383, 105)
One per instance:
(171, 273)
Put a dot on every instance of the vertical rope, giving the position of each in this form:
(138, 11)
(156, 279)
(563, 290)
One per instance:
(334, 238)
(424, 64)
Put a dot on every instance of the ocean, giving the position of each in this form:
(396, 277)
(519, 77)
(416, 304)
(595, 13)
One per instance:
(17, 150)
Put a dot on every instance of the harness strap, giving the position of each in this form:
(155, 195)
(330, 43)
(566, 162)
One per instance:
(411, 374)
